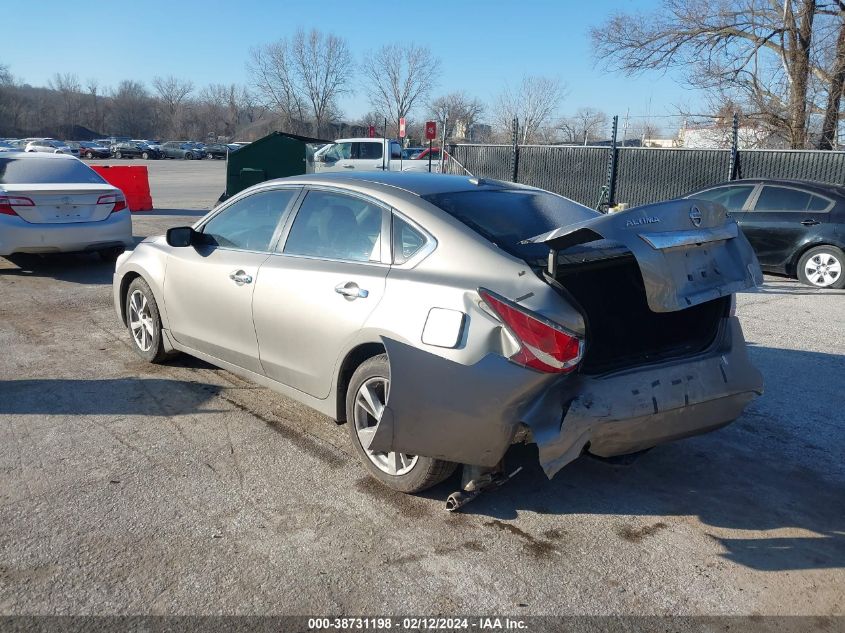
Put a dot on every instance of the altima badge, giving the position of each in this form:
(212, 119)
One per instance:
(695, 217)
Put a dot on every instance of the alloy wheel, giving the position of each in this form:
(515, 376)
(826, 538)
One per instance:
(823, 269)
(369, 407)
(141, 321)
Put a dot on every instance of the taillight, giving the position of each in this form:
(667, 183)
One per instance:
(7, 204)
(544, 345)
(117, 200)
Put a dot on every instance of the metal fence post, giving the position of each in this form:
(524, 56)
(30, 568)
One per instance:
(610, 184)
(515, 150)
(733, 169)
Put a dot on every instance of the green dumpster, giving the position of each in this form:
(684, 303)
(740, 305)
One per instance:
(276, 155)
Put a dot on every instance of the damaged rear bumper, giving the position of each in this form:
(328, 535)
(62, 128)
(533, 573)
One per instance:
(637, 409)
(470, 414)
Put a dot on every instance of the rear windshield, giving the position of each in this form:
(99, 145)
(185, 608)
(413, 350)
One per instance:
(46, 171)
(508, 216)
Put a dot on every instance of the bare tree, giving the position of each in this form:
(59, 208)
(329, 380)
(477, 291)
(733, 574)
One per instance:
(173, 94)
(323, 68)
(459, 112)
(398, 78)
(585, 125)
(769, 55)
(70, 91)
(272, 71)
(533, 103)
(132, 109)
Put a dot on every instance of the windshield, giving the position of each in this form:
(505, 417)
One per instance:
(508, 216)
(20, 171)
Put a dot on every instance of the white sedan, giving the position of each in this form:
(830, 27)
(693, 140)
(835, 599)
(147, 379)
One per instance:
(55, 203)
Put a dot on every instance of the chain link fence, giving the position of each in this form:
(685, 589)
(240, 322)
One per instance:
(638, 175)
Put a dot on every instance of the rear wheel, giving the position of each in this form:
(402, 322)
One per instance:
(145, 155)
(209, 156)
(144, 322)
(366, 397)
(118, 155)
(189, 156)
(89, 155)
(822, 267)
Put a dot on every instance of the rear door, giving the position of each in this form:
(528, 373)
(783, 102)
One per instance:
(688, 251)
(368, 156)
(314, 295)
(781, 220)
(208, 288)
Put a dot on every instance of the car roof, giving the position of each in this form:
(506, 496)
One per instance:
(39, 156)
(811, 185)
(417, 183)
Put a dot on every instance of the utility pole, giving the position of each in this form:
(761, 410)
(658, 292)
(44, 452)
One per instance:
(625, 126)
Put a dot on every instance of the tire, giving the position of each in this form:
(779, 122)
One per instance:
(118, 155)
(209, 156)
(145, 155)
(148, 345)
(89, 155)
(189, 156)
(415, 473)
(822, 267)
(111, 254)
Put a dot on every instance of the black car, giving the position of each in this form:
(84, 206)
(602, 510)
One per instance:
(216, 150)
(796, 227)
(134, 150)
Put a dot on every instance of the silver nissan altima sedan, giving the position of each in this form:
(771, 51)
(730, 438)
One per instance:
(444, 318)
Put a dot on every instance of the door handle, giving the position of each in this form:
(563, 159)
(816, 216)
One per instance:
(351, 291)
(349, 166)
(240, 277)
(810, 222)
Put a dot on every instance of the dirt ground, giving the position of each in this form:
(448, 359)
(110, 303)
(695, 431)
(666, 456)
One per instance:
(182, 489)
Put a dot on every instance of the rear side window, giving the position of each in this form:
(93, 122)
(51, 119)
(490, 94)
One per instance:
(336, 226)
(732, 198)
(508, 216)
(786, 199)
(406, 241)
(250, 223)
(367, 151)
(46, 171)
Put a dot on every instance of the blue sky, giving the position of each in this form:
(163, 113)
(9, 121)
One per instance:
(481, 44)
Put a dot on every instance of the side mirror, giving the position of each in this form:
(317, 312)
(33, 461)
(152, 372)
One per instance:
(180, 236)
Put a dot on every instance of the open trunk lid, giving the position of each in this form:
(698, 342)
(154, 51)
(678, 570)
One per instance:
(688, 251)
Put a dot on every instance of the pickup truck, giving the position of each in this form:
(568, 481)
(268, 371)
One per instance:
(366, 154)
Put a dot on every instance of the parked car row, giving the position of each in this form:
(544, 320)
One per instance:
(122, 147)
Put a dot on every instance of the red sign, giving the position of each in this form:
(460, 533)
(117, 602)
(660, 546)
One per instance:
(372, 131)
(402, 127)
(430, 130)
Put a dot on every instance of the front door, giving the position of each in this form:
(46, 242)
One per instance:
(208, 288)
(781, 220)
(315, 295)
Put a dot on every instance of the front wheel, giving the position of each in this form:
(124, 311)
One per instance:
(366, 397)
(89, 155)
(209, 156)
(189, 156)
(822, 267)
(145, 155)
(144, 322)
(118, 155)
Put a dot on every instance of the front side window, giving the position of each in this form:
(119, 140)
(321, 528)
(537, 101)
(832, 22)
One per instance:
(339, 151)
(250, 223)
(786, 199)
(732, 198)
(336, 226)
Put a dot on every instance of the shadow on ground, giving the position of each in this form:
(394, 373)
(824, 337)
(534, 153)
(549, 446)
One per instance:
(80, 268)
(115, 396)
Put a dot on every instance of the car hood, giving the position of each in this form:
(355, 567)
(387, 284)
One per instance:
(688, 251)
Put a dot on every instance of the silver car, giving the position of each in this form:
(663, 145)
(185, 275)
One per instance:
(444, 318)
(55, 203)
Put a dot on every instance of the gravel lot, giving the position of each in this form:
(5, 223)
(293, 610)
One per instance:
(182, 489)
